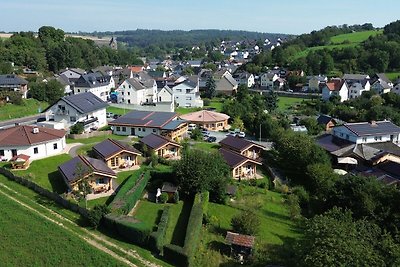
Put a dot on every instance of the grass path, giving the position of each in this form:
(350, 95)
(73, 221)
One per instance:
(128, 257)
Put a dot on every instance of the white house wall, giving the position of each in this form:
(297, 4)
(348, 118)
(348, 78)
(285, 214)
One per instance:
(44, 149)
(139, 131)
(344, 133)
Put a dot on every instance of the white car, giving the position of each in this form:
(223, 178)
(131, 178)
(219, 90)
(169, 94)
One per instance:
(191, 127)
(241, 134)
(231, 133)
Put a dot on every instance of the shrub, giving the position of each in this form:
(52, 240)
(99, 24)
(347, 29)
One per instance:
(176, 197)
(294, 206)
(163, 197)
(154, 160)
(206, 101)
(157, 239)
(246, 222)
(77, 128)
(96, 214)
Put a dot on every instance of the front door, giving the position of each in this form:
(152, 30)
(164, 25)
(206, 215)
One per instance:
(132, 131)
(13, 152)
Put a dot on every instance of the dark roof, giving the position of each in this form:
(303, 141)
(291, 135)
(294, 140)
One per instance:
(234, 159)
(93, 80)
(168, 187)
(110, 147)
(393, 168)
(156, 141)
(85, 102)
(373, 128)
(23, 135)
(332, 143)
(238, 144)
(325, 119)
(240, 240)
(152, 119)
(172, 125)
(11, 79)
(88, 165)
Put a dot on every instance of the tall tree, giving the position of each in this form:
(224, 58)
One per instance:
(210, 87)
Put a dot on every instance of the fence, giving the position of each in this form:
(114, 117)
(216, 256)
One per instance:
(44, 192)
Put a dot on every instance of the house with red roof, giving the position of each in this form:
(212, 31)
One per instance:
(206, 119)
(335, 87)
(31, 141)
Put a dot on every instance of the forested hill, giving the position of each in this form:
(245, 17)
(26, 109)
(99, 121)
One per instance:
(179, 38)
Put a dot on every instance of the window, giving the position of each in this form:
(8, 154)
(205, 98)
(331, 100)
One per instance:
(154, 130)
(130, 86)
(143, 129)
(118, 128)
(100, 181)
(72, 119)
(139, 129)
(129, 101)
(55, 146)
(364, 139)
(124, 129)
(1, 152)
(35, 150)
(179, 90)
(129, 93)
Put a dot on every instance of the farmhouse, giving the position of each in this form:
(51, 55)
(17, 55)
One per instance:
(34, 142)
(142, 123)
(161, 146)
(116, 154)
(98, 175)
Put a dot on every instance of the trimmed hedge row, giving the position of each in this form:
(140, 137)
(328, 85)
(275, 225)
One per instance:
(134, 232)
(130, 193)
(183, 256)
(157, 238)
(193, 230)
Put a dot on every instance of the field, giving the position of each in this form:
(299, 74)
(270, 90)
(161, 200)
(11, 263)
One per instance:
(44, 172)
(29, 240)
(337, 42)
(30, 107)
(119, 111)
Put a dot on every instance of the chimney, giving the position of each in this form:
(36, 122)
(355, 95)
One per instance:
(35, 130)
(373, 123)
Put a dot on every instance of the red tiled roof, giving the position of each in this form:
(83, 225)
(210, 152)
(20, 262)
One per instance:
(240, 240)
(334, 85)
(137, 68)
(23, 135)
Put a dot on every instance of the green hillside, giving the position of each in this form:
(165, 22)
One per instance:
(341, 41)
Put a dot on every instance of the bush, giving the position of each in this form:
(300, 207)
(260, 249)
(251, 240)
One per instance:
(16, 99)
(176, 197)
(164, 197)
(206, 101)
(294, 206)
(154, 160)
(96, 214)
(246, 222)
(77, 128)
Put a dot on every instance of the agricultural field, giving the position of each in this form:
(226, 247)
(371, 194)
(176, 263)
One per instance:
(285, 103)
(42, 243)
(30, 107)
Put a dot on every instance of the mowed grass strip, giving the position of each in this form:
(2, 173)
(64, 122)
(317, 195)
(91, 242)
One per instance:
(354, 37)
(30, 107)
(29, 240)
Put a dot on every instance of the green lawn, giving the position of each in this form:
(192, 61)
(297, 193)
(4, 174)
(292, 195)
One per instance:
(178, 219)
(31, 107)
(285, 102)
(96, 139)
(206, 146)
(119, 111)
(149, 213)
(393, 76)
(44, 172)
(30, 240)
(216, 103)
(183, 111)
(354, 37)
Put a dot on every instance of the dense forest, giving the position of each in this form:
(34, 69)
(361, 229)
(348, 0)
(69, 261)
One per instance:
(379, 53)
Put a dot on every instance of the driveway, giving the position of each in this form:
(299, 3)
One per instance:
(71, 149)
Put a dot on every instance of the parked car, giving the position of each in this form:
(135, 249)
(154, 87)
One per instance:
(205, 133)
(116, 116)
(109, 114)
(41, 119)
(241, 134)
(191, 127)
(211, 139)
(231, 133)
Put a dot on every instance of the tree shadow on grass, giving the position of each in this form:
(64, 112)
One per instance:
(57, 183)
(178, 236)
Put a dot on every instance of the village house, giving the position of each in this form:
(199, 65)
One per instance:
(186, 93)
(85, 108)
(357, 84)
(161, 146)
(381, 84)
(242, 146)
(13, 83)
(327, 121)
(268, 80)
(116, 154)
(316, 82)
(335, 87)
(142, 123)
(207, 119)
(244, 78)
(241, 166)
(98, 175)
(137, 91)
(72, 74)
(225, 83)
(34, 142)
(241, 245)
(96, 83)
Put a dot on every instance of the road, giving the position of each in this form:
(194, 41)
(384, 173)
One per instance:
(25, 120)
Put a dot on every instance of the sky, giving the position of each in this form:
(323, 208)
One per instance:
(290, 16)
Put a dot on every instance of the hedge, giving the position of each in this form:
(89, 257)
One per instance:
(176, 255)
(193, 230)
(134, 232)
(130, 193)
(157, 238)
